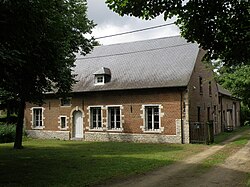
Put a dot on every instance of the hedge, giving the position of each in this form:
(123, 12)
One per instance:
(7, 133)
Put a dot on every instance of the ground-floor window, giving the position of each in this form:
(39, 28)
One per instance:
(152, 118)
(63, 122)
(95, 118)
(37, 117)
(114, 118)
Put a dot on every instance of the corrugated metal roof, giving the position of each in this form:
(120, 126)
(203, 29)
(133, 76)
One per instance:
(163, 62)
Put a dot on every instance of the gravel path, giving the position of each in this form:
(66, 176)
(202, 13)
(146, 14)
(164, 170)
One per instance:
(185, 174)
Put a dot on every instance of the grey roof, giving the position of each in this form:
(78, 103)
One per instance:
(223, 90)
(103, 71)
(163, 62)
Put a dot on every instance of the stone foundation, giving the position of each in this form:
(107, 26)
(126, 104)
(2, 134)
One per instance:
(43, 134)
(140, 138)
(125, 137)
(118, 137)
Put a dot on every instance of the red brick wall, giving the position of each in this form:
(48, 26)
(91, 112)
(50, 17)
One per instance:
(131, 100)
(225, 106)
(204, 99)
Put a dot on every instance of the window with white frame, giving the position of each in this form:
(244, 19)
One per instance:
(114, 118)
(37, 115)
(152, 118)
(95, 117)
(99, 79)
(63, 122)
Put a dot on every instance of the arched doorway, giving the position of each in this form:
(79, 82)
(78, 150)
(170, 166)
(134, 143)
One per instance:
(77, 124)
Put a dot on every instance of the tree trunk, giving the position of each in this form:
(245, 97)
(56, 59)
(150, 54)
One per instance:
(8, 112)
(19, 126)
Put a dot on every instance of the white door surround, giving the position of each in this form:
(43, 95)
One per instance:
(77, 124)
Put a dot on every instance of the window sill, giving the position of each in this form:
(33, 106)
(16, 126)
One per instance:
(64, 129)
(115, 130)
(38, 128)
(98, 84)
(96, 129)
(153, 131)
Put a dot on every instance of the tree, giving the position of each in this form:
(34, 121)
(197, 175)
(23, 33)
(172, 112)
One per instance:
(222, 27)
(7, 103)
(38, 40)
(237, 80)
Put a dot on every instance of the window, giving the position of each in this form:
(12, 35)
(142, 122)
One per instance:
(215, 114)
(208, 114)
(210, 88)
(198, 114)
(102, 76)
(66, 102)
(95, 118)
(63, 122)
(152, 118)
(99, 79)
(114, 118)
(201, 85)
(37, 117)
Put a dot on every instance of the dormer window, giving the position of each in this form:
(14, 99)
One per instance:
(99, 79)
(102, 76)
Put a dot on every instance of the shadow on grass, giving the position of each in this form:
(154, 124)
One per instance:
(66, 163)
(70, 163)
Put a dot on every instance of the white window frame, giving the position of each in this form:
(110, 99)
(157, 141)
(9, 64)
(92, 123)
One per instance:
(90, 118)
(60, 122)
(96, 80)
(144, 116)
(109, 120)
(70, 100)
(33, 125)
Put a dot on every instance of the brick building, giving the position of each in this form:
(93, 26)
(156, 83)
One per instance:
(146, 91)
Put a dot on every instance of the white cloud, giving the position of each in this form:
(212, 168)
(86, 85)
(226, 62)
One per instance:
(109, 23)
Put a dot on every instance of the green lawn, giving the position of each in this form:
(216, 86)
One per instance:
(226, 135)
(229, 149)
(76, 163)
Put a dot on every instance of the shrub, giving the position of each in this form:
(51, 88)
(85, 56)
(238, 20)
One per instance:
(7, 133)
(12, 119)
(245, 114)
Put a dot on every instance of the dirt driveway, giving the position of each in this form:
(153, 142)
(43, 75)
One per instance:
(232, 172)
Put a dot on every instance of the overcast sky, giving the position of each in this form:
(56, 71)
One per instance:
(109, 23)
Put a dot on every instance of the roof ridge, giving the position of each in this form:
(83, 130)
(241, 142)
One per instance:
(132, 52)
(139, 41)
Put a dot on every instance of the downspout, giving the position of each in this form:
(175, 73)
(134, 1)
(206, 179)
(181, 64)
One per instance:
(182, 141)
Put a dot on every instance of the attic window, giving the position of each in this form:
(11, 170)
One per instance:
(102, 76)
(99, 79)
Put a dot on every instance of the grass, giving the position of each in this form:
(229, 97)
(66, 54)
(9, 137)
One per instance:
(229, 149)
(76, 163)
(248, 180)
(73, 163)
(226, 135)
